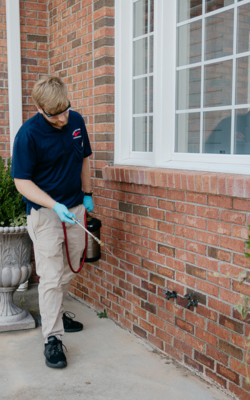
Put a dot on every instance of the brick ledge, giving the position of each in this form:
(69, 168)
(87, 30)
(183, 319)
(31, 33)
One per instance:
(194, 181)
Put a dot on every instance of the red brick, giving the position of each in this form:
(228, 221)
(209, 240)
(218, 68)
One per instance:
(207, 361)
(173, 352)
(228, 374)
(216, 378)
(208, 212)
(175, 218)
(233, 217)
(207, 288)
(165, 272)
(138, 311)
(231, 324)
(176, 195)
(219, 227)
(155, 342)
(196, 247)
(125, 323)
(183, 347)
(240, 367)
(194, 343)
(240, 393)
(195, 319)
(139, 331)
(193, 364)
(196, 198)
(241, 204)
(185, 208)
(185, 279)
(145, 325)
(159, 302)
(206, 337)
(207, 313)
(230, 349)
(156, 214)
(232, 244)
(184, 325)
(218, 331)
(166, 205)
(219, 306)
(229, 296)
(240, 341)
(163, 336)
(220, 201)
(166, 316)
(197, 223)
(217, 355)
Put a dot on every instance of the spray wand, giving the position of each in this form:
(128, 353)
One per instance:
(86, 230)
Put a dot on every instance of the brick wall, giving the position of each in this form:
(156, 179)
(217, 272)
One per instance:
(34, 61)
(34, 48)
(81, 51)
(169, 229)
(177, 230)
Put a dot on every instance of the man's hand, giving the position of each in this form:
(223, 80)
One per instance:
(63, 213)
(88, 203)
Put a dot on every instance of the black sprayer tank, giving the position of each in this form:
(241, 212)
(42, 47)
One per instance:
(93, 249)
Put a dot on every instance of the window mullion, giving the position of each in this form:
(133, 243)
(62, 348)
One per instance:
(202, 74)
(234, 79)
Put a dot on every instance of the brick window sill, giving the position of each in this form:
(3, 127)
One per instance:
(194, 181)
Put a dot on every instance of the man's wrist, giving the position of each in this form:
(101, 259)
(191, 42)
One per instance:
(88, 193)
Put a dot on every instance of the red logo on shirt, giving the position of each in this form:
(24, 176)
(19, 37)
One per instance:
(76, 133)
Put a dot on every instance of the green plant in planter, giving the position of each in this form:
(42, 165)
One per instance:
(12, 207)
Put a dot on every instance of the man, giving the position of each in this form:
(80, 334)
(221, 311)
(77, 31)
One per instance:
(50, 166)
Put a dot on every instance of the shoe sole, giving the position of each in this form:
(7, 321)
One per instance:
(73, 330)
(60, 365)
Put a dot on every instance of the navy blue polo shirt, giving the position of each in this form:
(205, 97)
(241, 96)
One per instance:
(52, 158)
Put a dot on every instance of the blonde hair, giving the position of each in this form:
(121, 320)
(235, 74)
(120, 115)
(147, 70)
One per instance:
(50, 94)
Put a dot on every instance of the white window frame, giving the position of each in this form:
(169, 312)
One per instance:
(163, 155)
(14, 68)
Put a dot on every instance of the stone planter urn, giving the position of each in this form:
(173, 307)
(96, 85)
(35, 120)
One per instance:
(15, 268)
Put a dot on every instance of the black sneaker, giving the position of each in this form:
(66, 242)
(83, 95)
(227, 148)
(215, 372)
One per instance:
(54, 355)
(69, 324)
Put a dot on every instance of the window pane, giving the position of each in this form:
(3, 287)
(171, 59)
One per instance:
(151, 119)
(187, 133)
(242, 131)
(151, 53)
(189, 43)
(243, 81)
(243, 28)
(219, 35)
(151, 93)
(151, 15)
(140, 18)
(140, 96)
(212, 5)
(139, 134)
(188, 9)
(188, 88)
(217, 132)
(218, 84)
(140, 56)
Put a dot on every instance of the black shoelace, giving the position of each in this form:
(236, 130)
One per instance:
(56, 347)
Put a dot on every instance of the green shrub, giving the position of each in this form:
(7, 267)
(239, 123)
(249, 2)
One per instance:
(12, 207)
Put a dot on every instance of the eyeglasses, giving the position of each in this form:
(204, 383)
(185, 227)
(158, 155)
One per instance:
(60, 113)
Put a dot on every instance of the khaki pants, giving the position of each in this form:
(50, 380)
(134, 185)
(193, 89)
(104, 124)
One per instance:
(46, 232)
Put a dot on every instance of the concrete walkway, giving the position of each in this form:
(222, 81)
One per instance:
(104, 362)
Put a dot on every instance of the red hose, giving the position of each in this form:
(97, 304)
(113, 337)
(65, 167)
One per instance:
(67, 249)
